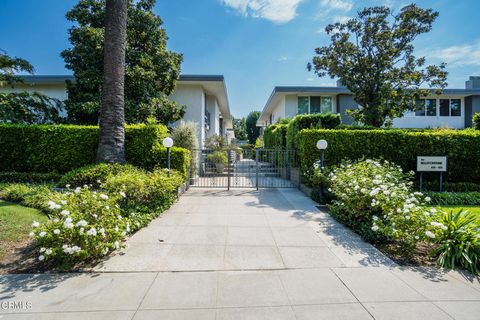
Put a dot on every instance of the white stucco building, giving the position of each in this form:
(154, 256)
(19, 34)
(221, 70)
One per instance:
(204, 95)
(453, 108)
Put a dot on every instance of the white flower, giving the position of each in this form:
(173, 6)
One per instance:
(123, 194)
(98, 181)
(41, 257)
(128, 227)
(52, 205)
(65, 213)
(103, 196)
(42, 234)
(63, 202)
(48, 252)
(42, 250)
(375, 218)
(374, 227)
(428, 199)
(81, 230)
(433, 210)
(105, 251)
(107, 207)
(77, 190)
(31, 234)
(55, 220)
(35, 224)
(56, 231)
(92, 232)
(82, 223)
(102, 231)
(119, 217)
(429, 234)
(407, 217)
(67, 185)
(95, 215)
(116, 245)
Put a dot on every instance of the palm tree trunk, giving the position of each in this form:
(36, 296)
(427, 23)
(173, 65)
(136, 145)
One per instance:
(111, 145)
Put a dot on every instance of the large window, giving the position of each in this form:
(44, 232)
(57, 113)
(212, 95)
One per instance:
(450, 107)
(314, 104)
(428, 107)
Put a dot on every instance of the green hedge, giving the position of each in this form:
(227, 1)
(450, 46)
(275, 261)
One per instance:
(454, 198)
(399, 146)
(476, 121)
(309, 121)
(61, 148)
(29, 177)
(275, 136)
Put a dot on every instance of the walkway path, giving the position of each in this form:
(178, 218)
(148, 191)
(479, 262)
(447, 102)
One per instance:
(245, 255)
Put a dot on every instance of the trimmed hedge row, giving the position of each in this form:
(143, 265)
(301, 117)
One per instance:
(399, 146)
(61, 148)
(309, 121)
(275, 136)
(454, 198)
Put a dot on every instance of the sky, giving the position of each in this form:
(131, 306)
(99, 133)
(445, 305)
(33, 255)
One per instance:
(255, 44)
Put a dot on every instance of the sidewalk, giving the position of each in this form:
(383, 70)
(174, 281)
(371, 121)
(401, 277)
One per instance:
(245, 254)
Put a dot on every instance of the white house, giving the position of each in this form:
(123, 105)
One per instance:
(454, 108)
(204, 95)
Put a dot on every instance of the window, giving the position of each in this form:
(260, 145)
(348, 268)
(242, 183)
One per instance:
(455, 109)
(426, 107)
(314, 104)
(326, 105)
(444, 107)
(450, 107)
(302, 105)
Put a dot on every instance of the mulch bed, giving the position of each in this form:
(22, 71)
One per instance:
(421, 256)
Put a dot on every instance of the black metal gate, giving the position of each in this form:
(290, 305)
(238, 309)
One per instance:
(242, 168)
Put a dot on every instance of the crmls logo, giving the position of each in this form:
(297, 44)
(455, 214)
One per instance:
(16, 305)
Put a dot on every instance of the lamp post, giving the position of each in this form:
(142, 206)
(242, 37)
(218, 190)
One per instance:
(322, 145)
(168, 143)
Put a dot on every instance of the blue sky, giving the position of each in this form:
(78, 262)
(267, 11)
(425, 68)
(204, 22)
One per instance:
(256, 44)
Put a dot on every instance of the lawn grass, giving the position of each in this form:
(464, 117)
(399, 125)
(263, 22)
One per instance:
(473, 209)
(15, 225)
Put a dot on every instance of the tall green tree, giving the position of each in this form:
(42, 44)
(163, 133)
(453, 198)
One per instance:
(111, 144)
(240, 128)
(24, 107)
(372, 55)
(253, 132)
(151, 71)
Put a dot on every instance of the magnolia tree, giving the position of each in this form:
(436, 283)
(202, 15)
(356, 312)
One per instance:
(372, 55)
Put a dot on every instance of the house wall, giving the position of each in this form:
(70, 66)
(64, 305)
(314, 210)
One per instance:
(213, 109)
(345, 102)
(472, 106)
(291, 105)
(57, 91)
(194, 98)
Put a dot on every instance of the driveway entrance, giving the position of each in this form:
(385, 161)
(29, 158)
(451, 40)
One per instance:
(258, 168)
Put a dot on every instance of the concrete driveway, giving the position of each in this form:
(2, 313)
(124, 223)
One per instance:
(244, 254)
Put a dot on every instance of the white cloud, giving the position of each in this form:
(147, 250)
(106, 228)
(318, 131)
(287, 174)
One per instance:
(283, 58)
(459, 55)
(343, 5)
(341, 19)
(279, 11)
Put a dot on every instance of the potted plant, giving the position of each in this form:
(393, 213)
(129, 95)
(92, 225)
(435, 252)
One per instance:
(219, 158)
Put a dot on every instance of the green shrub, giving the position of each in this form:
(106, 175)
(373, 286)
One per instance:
(84, 225)
(275, 136)
(93, 175)
(62, 148)
(476, 121)
(451, 186)
(375, 199)
(218, 157)
(454, 198)
(29, 177)
(400, 146)
(144, 195)
(30, 195)
(309, 121)
(458, 241)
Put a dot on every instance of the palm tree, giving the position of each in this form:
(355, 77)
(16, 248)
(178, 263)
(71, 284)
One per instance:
(111, 145)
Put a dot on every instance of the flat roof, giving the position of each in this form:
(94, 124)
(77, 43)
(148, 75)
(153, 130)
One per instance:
(56, 79)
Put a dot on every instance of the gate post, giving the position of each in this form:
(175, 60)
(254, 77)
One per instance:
(228, 169)
(256, 166)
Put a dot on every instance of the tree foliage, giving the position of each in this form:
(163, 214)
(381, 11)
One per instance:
(24, 107)
(240, 128)
(151, 71)
(253, 132)
(372, 54)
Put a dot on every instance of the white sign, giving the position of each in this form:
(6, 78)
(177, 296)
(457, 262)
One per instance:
(431, 164)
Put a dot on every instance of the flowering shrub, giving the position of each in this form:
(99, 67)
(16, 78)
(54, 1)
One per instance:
(30, 195)
(84, 224)
(457, 236)
(376, 199)
(93, 174)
